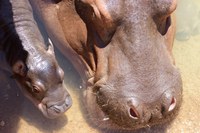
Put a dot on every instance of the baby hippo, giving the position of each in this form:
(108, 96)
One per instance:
(41, 80)
(33, 65)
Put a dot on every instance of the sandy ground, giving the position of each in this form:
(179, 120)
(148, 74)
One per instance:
(18, 115)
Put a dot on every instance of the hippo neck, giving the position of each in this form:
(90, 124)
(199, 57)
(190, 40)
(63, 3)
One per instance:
(18, 32)
(26, 27)
(11, 46)
(10, 42)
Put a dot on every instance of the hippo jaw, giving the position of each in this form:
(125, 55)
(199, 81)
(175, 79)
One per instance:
(135, 83)
(41, 81)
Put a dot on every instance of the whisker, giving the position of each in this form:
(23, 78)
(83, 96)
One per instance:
(106, 104)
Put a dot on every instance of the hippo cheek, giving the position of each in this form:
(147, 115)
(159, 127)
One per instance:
(55, 109)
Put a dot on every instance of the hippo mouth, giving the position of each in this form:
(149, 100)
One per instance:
(55, 110)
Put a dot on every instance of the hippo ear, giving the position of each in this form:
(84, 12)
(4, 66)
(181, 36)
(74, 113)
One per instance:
(103, 22)
(50, 47)
(19, 68)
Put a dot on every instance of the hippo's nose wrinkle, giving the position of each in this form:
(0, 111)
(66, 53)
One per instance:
(172, 104)
(57, 110)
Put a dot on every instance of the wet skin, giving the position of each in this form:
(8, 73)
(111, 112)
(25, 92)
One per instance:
(123, 52)
(33, 66)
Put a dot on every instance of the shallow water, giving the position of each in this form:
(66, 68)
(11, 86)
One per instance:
(17, 114)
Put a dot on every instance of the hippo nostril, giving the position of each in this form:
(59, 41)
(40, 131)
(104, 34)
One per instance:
(133, 103)
(172, 104)
(133, 113)
(168, 102)
(68, 102)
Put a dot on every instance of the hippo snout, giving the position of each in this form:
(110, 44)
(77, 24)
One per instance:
(147, 113)
(59, 108)
(133, 109)
(52, 108)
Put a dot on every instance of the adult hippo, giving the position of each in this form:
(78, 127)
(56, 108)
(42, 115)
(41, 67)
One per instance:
(32, 64)
(123, 52)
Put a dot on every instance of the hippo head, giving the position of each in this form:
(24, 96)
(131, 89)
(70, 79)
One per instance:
(135, 82)
(41, 80)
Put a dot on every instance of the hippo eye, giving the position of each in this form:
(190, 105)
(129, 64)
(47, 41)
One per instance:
(35, 89)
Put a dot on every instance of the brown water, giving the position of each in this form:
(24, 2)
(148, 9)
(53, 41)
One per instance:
(18, 115)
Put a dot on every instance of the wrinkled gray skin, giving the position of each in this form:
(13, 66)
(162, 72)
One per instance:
(123, 52)
(32, 64)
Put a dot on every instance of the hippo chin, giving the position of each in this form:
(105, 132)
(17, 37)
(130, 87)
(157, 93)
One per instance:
(32, 65)
(123, 52)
